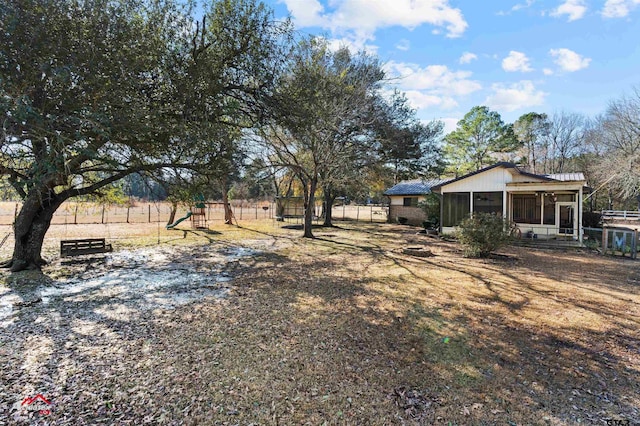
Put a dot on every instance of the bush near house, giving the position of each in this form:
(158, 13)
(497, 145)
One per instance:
(591, 220)
(481, 234)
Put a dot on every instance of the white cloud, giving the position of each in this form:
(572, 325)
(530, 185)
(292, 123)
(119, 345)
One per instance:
(307, 13)
(516, 61)
(403, 44)
(360, 19)
(568, 60)
(527, 4)
(450, 124)
(431, 86)
(467, 57)
(420, 100)
(438, 79)
(515, 96)
(574, 9)
(618, 8)
(547, 71)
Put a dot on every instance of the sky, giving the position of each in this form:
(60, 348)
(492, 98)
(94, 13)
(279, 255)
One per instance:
(514, 56)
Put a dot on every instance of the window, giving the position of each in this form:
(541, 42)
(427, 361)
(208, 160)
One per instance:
(565, 197)
(410, 202)
(526, 208)
(455, 207)
(549, 217)
(487, 202)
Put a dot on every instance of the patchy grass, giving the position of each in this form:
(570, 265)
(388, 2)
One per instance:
(346, 329)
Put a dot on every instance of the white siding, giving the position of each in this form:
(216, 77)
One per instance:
(396, 200)
(490, 180)
(517, 177)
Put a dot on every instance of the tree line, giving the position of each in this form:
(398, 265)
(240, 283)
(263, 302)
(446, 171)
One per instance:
(605, 148)
(98, 97)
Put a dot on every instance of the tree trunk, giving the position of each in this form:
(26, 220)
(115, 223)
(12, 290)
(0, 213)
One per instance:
(228, 213)
(309, 203)
(329, 198)
(172, 213)
(30, 228)
(532, 154)
(280, 209)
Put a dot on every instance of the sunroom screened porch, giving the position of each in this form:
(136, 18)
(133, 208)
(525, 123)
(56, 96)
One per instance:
(542, 206)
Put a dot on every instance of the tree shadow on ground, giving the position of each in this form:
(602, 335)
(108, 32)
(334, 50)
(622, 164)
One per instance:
(302, 338)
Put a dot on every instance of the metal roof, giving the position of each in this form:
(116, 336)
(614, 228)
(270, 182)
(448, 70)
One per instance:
(414, 187)
(567, 177)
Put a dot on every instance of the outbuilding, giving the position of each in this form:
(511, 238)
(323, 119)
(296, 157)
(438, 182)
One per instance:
(405, 198)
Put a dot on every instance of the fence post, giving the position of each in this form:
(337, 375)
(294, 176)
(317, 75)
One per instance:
(149, 209)
(75, 215)
(256, 211)
(357, 213)
(128, 214)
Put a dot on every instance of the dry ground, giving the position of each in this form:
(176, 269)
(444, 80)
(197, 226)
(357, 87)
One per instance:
(343, 329)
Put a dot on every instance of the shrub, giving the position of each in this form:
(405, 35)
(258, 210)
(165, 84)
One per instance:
(481, 234)
(431, 207)
(591, 220)
(402, 220)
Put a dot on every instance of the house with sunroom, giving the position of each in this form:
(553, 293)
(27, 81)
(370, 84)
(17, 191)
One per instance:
(541, 206)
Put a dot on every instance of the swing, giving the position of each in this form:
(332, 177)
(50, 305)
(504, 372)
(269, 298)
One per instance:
(77, 247)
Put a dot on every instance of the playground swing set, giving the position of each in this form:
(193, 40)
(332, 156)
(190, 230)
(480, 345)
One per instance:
(197, 214)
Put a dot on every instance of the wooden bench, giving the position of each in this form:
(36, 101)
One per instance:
(84, 246)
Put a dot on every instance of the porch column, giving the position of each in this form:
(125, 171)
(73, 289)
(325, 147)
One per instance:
(441, 211)
(580, 229)
(471, 203)
(505, 202)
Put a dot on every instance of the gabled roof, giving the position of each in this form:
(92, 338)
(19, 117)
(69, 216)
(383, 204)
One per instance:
(414, 187)
(558, 177)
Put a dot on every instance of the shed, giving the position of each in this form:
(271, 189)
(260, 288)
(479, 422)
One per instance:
(405, 196)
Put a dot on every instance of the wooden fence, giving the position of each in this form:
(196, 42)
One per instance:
(620, 215)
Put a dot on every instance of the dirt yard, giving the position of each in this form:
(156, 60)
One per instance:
(254, 325)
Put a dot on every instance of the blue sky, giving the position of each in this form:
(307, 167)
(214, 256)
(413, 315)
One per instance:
(514, 56)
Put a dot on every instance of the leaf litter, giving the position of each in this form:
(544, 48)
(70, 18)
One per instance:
(346, 330)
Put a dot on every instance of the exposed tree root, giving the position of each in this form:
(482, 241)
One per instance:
(23, 265)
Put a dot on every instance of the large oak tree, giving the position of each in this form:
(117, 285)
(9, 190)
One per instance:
(326, 97)
(94, 90)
